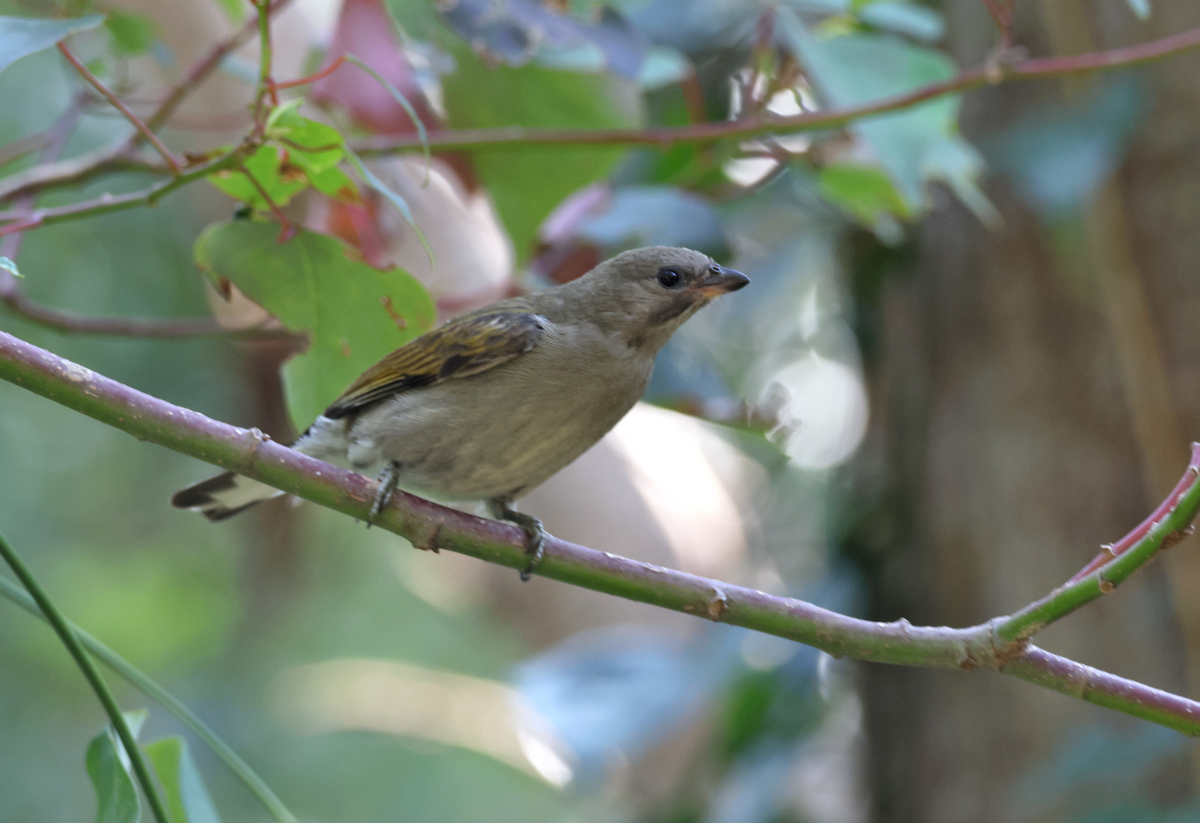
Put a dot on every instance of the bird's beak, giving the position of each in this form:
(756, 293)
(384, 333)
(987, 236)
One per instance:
(721, 281)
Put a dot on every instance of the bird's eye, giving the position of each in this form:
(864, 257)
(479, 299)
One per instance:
(669, 278)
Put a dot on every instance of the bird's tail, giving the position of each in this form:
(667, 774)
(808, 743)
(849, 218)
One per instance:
(223, 496)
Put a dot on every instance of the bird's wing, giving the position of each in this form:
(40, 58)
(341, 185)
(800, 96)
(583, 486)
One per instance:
(464, 346)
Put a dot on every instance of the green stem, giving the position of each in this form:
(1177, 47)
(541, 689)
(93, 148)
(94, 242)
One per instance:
(61, 627)
(1167, 525)
(140, 681)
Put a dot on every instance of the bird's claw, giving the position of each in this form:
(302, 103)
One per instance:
(535, 534)
(387, 480)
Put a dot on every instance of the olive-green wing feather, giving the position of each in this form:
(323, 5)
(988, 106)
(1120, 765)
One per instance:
(464, 346)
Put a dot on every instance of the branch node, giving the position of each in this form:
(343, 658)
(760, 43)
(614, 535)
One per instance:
(429, 543)
(1106, 585)
(718, 604)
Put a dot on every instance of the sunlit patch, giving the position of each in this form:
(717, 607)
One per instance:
(673, 464)
(402, 699)
(822, 409)
(746, 171)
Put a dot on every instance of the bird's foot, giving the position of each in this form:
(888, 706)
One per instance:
(535, 533)
(387, 480)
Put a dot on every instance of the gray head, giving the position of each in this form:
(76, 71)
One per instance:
(646, 294)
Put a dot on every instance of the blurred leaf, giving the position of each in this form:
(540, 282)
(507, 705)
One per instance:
(354, 314)
(132, 34)
(910, 19)
(187, 798)
(235, 10)
(1058, 157)
(655, 216)
(662, 67)
(21, 36)
(1141, 8)
(518, 31)
(866, 194)
(622, 689)
(10, 266)
(912, 146)
(527, 183)
(1093, 767)
(108, 767)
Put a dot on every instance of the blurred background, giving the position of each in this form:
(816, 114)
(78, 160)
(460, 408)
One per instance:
(968, 357)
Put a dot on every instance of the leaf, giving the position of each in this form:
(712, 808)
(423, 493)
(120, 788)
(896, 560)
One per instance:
(22, 36)
(354, 314)
(10, 266)
(235, 10)
(1141, 8)
(866, 195)
(301, 153)
(132, 33)
(527, 183)
(914, 145)
(108, 767)
(188, 800)
(655, 216)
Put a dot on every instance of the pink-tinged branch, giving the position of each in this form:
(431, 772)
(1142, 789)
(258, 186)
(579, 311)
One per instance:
(116, 103)
(1186, 485)
(665, 136)
(430, 526)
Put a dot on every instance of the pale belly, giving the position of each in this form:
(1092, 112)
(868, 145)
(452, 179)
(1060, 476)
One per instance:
(496, 434)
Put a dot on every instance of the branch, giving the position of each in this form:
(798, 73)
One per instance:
(116, 103)
(430, 526)
(518, 136)
(122, 156)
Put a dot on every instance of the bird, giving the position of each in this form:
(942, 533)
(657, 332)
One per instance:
(494, 402)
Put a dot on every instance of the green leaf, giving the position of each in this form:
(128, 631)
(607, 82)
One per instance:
(301, 153)
(132, 33)
(267, 165)
(354, 314)
(22, 36)
(866, 194)
(914, 145)
(235, 10)
(527, 183)
(108, 767)
(188, 800)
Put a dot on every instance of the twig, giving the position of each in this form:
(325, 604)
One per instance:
(1164, 528)
(143, 683)
(167, 329)
(285, 225)
(244, 451)
(122, 155)
(121, 107)
(206, 66)
(1002, 14)
(106, 203)
(96, 680)
(665, 136)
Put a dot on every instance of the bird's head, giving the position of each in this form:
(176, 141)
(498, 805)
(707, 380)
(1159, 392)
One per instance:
(646, 294)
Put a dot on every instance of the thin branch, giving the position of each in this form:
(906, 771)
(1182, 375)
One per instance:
(95, 82)
(207, 65)
(430, 526)
(122, 156)
(1165, 527)
(105, 203)
(168, 329)
(665, 136)
(66, 634)
(143, 683)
